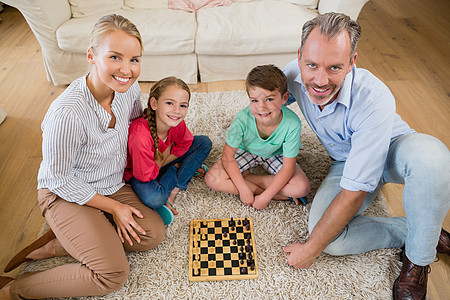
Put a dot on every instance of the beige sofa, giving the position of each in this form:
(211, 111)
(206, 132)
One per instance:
(217, 43)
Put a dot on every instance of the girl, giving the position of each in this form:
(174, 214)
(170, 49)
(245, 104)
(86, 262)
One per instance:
(162, 153)
(93, 215)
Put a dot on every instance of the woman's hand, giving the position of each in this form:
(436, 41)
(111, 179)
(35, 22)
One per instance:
(122, 215)
(125, 223)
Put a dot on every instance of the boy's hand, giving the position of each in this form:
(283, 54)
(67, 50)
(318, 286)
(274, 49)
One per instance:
(247, 197)
(261, 201)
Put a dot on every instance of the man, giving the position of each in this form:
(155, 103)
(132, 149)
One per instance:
(353, 114)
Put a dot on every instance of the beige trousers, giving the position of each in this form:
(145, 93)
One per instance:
(87, 235)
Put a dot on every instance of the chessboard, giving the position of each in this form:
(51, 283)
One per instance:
(222, 249)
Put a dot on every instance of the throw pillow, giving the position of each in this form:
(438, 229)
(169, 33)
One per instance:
(195, 5)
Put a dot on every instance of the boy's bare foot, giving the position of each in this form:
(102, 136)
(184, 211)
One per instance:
(171, 200)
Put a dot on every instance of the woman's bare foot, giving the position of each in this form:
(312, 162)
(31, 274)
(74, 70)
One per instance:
(4, 292)
(51, 249)
(171, 200)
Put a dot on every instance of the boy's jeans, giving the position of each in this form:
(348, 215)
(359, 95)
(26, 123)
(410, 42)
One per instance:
(155, 193)
(420, 162)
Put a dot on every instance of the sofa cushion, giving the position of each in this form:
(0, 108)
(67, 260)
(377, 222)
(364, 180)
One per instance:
(261, 27)
(83, 8)
(311, 3)
(195, 5)
(164, 31)
(146, 4)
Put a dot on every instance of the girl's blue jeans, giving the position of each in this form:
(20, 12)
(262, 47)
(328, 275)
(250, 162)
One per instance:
(422, 164)
(155, 193)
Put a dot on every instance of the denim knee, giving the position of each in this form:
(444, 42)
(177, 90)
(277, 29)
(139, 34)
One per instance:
(423, 154)
(204, 142)
(154, 200)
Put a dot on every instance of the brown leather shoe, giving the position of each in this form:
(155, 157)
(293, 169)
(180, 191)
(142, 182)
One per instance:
(4, 281)
(444, 242)
(412, 282)
(21, 257)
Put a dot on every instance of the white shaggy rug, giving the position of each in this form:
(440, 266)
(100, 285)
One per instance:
(162, 273)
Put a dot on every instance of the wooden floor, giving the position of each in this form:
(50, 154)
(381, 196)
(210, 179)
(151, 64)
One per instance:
(406, 43)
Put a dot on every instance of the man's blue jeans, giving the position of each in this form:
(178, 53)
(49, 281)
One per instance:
(155, 193)
(420, 162)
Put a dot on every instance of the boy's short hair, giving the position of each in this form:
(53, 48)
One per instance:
(268, 77)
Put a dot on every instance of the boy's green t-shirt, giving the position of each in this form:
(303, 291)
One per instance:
(285, 140)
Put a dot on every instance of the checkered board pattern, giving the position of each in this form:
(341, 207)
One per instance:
(220, 251)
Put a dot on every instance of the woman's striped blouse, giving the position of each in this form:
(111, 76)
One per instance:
(81, 155)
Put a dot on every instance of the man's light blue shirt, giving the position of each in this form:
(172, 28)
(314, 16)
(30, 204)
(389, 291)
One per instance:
(356, 128)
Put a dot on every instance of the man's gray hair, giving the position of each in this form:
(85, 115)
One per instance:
(332, 24)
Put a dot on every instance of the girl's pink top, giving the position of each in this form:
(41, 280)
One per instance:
(141, 149)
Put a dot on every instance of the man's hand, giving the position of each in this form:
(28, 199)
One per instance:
(299, 256)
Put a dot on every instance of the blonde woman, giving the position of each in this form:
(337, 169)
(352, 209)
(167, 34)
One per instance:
(93, 215)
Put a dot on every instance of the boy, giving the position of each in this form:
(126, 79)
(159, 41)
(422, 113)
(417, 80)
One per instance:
(264, 133)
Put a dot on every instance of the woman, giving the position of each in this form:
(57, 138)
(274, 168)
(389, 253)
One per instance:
(93, 215)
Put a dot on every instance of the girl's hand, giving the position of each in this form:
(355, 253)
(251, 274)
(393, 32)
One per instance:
(125, 223)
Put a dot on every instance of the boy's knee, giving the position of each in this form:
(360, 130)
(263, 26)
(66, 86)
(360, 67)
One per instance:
(211, 179)
(302, 189)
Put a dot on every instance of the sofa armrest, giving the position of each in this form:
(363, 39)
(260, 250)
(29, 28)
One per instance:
(44, 17)
(351, 8)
